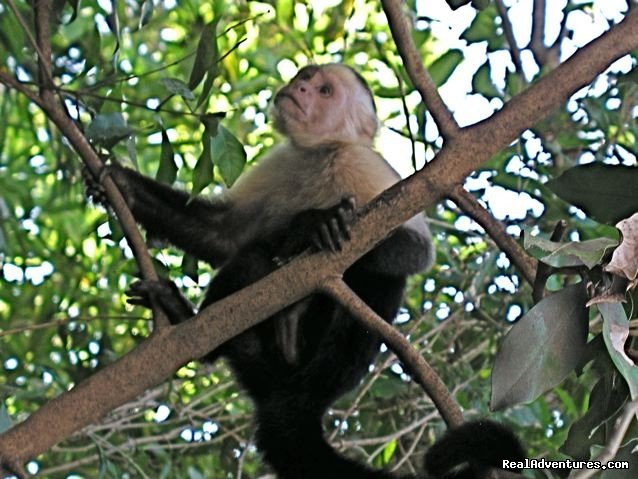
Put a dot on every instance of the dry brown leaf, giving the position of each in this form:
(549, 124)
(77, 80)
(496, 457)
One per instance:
(624, 261)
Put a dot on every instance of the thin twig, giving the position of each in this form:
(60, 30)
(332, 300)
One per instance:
(508, 29)
(422, 372)
(42, 10)
(25, 28)
(470, 205)
(15, 84)
(615, 441)
(544, 270)
(402, 34)
(537, 40)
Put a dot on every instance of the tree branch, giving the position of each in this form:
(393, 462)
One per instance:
(58, 114)
(417, 365)
(26, 29)
(508, 29)
(421, 79)
(537, 40)
(43, 38)
(470, 205)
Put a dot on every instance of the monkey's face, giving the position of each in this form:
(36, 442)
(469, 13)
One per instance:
(325, 105)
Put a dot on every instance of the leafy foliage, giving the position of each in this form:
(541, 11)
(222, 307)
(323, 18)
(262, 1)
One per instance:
(181, 90)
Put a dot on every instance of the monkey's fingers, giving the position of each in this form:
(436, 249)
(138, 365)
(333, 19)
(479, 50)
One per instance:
(92, 187)
(323, 238)
(138, 301)
(139, 293)
(344, 219)
(349, 203)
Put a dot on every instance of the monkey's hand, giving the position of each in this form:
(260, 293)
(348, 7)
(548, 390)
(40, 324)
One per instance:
(93, 186)
(324, 230)
(332, 225)
(164, 293)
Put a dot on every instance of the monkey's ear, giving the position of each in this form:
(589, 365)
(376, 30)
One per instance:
(369, 126)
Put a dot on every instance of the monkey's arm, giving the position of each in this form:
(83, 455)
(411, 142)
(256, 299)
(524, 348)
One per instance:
(408, 250)
(198, 226)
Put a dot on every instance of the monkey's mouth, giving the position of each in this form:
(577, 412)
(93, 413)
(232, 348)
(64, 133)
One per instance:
(282, 95)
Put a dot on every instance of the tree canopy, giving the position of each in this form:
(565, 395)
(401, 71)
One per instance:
(525, 143)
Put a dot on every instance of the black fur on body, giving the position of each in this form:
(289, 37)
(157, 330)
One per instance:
(302, 194)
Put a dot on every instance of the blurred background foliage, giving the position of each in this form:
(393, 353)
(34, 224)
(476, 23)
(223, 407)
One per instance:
(137, 77)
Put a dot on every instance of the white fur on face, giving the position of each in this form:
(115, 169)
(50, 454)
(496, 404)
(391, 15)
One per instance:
(325, 106)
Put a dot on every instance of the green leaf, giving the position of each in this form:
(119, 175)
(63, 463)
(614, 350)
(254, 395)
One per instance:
(108, 129)
(12, 37)
(615, 333)
(514, 84)
(167, 170)
(211, 123)
(177, 87)
(576, 253)
(482, 82)
(208, 86)
(542, 348)
(443, 67)
(483, 28)
(5, 420)
(229, 155)
(605, 400)
(203, 171)
(606, 193)
(74, 6)
(146, 13)
(285, 11)
(389, 450)
(206, 56)
(481, 4)
(113, 22)
(189, 267)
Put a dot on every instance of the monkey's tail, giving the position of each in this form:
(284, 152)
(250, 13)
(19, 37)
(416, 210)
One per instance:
(469, 450)
(291, 439)
(290, 436)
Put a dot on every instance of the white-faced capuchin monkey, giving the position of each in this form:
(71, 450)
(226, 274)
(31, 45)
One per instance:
(303, 195)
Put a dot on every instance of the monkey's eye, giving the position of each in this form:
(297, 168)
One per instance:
(325, 90)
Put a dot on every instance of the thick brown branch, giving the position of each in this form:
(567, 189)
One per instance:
(402, 34)
(417, 366)
(470, 205)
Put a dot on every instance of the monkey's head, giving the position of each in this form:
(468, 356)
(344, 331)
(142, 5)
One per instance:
(326, 105)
